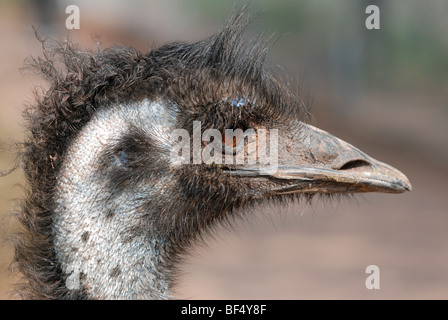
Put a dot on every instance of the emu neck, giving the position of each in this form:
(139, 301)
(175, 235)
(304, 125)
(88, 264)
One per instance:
(105, 243)
(105, 266)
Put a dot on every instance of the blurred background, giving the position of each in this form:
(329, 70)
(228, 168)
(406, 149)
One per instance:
(385, 91)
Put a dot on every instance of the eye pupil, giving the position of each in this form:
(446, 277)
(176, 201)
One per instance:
(231, 138)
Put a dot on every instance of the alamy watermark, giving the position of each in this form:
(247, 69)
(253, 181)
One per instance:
(73, 20)
(372, 21)
(225, 147)
(373, 280)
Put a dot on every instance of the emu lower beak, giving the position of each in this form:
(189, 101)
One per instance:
(323, 163)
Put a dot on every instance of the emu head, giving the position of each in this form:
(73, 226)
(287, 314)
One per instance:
(132, 156)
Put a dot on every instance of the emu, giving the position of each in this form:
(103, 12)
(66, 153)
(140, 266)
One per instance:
(107, 213)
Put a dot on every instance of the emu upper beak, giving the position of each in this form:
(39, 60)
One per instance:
(323, 163)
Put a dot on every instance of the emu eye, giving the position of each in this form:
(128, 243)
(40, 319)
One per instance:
(232, 137)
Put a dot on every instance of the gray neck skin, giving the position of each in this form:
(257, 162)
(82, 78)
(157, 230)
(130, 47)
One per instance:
(110, 256)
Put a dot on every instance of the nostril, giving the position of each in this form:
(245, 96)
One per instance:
(355, 164)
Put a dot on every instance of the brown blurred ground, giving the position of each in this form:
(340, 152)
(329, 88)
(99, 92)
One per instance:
(304, 251)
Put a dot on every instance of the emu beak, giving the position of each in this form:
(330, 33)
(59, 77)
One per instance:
(323, 163)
